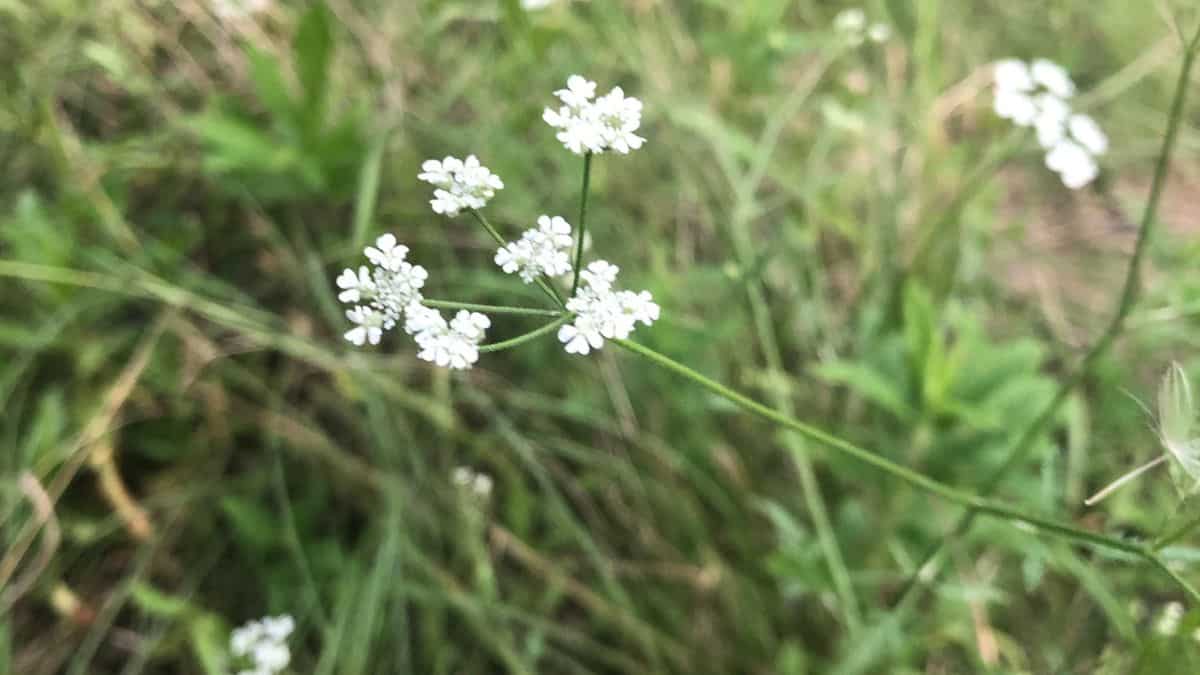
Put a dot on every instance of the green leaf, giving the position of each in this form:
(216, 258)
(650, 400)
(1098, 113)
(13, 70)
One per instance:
(871, 384)
(268, 81)
(152, 601)
(254, 525)
(313, 50)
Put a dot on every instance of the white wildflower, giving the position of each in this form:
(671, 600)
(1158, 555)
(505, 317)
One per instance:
(369, 326)
(263, 644)
(1074, 165)
(1051, 121)
(602, 313)
(879, 32)
(587, 124)
(1168, 621)
(460, 184)
(1053, 77)
(545, 250)
(477, 483)
(1013, 75)
(850, 24)
(536, 4)
(453, 344)
(385, 290)
(1085, 130)
(1037, 95)
(1016, 106)
(356, 286)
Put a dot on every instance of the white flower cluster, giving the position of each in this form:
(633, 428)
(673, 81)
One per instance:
(453, 344)
(478, 484)
(461, 184)
(851, 25)
(390, 291)
(1038, 95)
(587, 124)
(604, 313)
(545, 250)
(264, 644)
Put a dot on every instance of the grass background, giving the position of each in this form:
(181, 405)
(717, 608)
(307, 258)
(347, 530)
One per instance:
(179, 190)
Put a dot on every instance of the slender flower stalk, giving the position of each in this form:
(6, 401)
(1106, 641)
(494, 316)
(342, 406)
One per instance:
(918, 480)
(583, 202)
(527, 337)
(490, 309)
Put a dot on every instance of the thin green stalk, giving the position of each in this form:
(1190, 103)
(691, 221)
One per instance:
(903, 473)
(583, 200)
(550, 291)
(490, 309)
(526, 337)
(1132, 285)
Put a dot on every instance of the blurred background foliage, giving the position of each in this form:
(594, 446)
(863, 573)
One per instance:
(188, 444)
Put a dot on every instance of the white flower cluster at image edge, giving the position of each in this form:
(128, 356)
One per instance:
(601, 312)
(587, 124)
(390, 290)
(461, 184)
(263, 643)
(1038, 95)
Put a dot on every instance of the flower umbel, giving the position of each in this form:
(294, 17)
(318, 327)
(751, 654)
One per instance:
(263, 644)
(545, 250)
(587, 124)
(461, 184)
(391, 291)
(602, 313)
(1037, 95)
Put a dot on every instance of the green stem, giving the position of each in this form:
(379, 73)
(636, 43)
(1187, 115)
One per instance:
(490, 309)
(542, 283)
(583, 200)
(526, 337)
(913, 478)
(1025, 442)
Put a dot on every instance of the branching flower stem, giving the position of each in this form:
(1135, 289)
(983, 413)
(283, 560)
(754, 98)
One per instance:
(1025, 442)
(547, 288)
(490, 309)
(918, 480)
(526, 337)
(582, 225)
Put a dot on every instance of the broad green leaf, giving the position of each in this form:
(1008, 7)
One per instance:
(272, 91)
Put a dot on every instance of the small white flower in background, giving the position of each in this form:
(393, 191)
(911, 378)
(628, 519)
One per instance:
(1168, 621)
(263, 643)
(587, 124)
(1085, 130)
(1037, 95)
(462, 184)
(602, 313)
(851, 23)
(233, 10)
(536, 4)
(851, 26)
(1053, 77)
(879, 32)
(1073, 164)
(479, 484)
(545, 250)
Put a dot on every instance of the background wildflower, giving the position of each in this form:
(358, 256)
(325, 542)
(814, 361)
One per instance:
(263, 644)
(587, 124)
